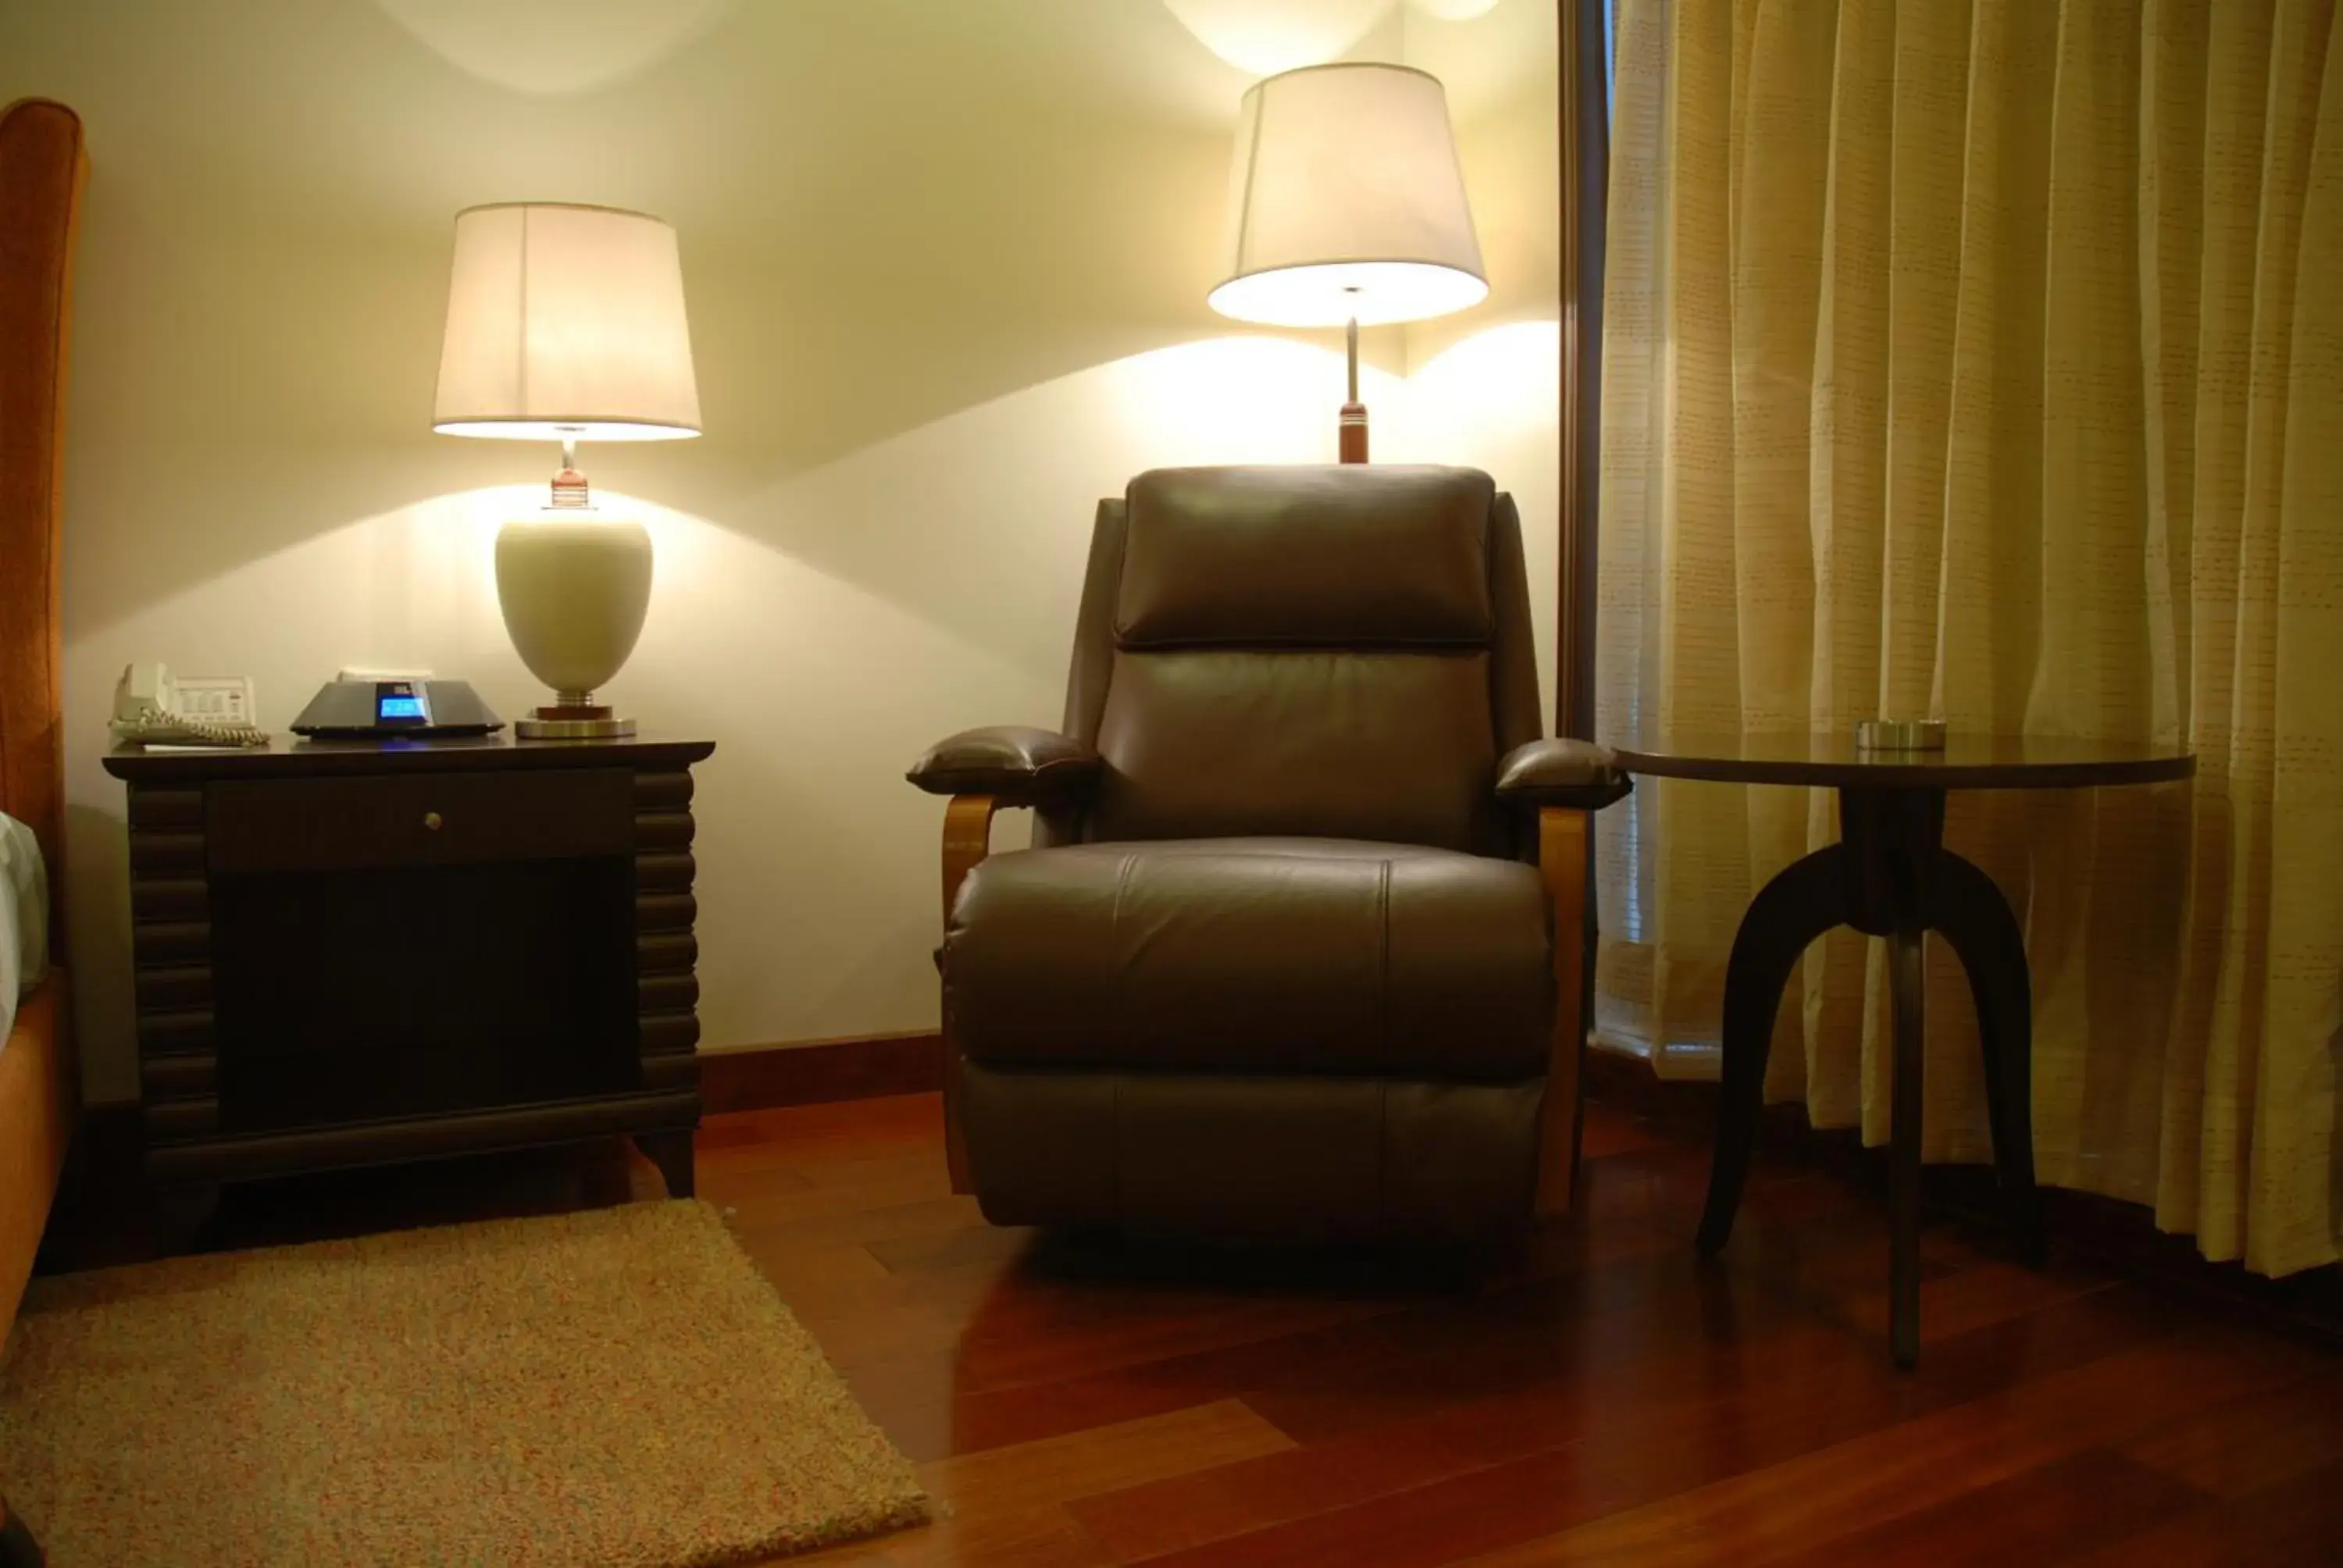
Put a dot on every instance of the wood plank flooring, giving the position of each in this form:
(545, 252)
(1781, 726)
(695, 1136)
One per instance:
(1603, 1400)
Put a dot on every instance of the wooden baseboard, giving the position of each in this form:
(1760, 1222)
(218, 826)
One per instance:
(759, 1077)
(2106, 1231)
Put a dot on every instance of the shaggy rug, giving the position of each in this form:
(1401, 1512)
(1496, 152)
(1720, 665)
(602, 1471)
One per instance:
(613, 1388)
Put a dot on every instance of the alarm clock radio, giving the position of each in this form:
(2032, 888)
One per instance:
(379, 709)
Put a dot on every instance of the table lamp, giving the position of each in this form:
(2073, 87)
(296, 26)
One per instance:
(566, 324)
(1347, 207)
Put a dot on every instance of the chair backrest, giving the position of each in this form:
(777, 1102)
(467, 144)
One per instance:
(1340, 652)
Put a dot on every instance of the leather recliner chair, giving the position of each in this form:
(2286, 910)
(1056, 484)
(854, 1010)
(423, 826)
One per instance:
(1298, 950)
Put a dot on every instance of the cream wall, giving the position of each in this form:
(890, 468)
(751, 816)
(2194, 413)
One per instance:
(946, 265)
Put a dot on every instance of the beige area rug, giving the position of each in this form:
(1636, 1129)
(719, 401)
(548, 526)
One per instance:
(613, 1388)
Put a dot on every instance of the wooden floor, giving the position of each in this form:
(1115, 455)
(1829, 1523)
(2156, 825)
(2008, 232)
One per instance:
(1606, 1401)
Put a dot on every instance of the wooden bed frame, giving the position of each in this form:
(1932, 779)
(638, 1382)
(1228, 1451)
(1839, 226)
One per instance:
(42, 167)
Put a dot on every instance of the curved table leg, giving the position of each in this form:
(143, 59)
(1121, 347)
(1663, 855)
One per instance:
(1798, 906)
(1908, 993)
(1976, 920)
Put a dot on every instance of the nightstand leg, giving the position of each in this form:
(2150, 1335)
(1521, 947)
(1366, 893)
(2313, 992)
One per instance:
(17, 1547)
(671, 1152)
(184, 1214)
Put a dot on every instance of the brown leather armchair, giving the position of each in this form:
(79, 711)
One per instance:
(1299, 948)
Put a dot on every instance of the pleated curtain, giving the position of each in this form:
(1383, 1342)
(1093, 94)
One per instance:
(1984, 361)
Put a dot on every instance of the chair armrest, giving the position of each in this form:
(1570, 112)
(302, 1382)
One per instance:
(1018, 765)
(1577, 774)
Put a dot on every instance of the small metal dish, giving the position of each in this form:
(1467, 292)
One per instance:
(1900, 735)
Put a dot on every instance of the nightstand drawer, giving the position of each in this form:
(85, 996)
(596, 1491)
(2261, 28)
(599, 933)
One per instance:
(417, 819)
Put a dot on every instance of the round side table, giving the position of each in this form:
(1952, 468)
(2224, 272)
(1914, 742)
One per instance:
(1890, 876)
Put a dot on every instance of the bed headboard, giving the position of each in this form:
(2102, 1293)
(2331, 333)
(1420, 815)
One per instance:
(42, 167)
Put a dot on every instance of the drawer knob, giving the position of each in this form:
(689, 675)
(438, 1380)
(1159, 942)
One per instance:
(431, 820)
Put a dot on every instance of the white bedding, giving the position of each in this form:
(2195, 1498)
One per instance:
(24, 918)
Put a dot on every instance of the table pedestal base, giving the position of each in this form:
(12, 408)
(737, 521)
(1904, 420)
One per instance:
(1889, 876)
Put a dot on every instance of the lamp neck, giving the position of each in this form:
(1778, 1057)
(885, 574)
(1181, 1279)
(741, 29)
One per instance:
(1351, 437)
(569, 491)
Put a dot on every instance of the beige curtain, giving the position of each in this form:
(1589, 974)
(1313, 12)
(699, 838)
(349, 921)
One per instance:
(1985, 360)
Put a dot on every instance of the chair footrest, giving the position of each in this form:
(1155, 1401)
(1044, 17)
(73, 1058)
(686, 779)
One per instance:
(1242, 1156)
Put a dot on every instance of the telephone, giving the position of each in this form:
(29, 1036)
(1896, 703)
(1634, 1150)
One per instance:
(151, 709)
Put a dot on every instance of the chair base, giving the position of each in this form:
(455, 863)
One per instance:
(1245, 1158)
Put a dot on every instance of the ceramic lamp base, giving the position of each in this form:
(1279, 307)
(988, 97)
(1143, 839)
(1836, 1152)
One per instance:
(573, 585)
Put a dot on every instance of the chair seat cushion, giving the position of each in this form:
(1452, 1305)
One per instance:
(1253, 955)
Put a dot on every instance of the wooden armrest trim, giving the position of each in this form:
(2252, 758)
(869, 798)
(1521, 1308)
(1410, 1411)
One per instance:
(968, 838)
(1564, 833)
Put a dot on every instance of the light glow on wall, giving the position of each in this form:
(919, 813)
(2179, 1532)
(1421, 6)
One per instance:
(1506, 380)
(553, 47)
(1455, 10)
(1266, 36)
(1239, 399)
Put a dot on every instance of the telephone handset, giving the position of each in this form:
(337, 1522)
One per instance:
(152, 708)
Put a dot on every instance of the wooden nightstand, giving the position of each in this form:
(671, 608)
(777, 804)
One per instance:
(353, 952)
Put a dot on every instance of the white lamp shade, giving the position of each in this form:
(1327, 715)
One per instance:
(1346, 201)
(566, 321)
